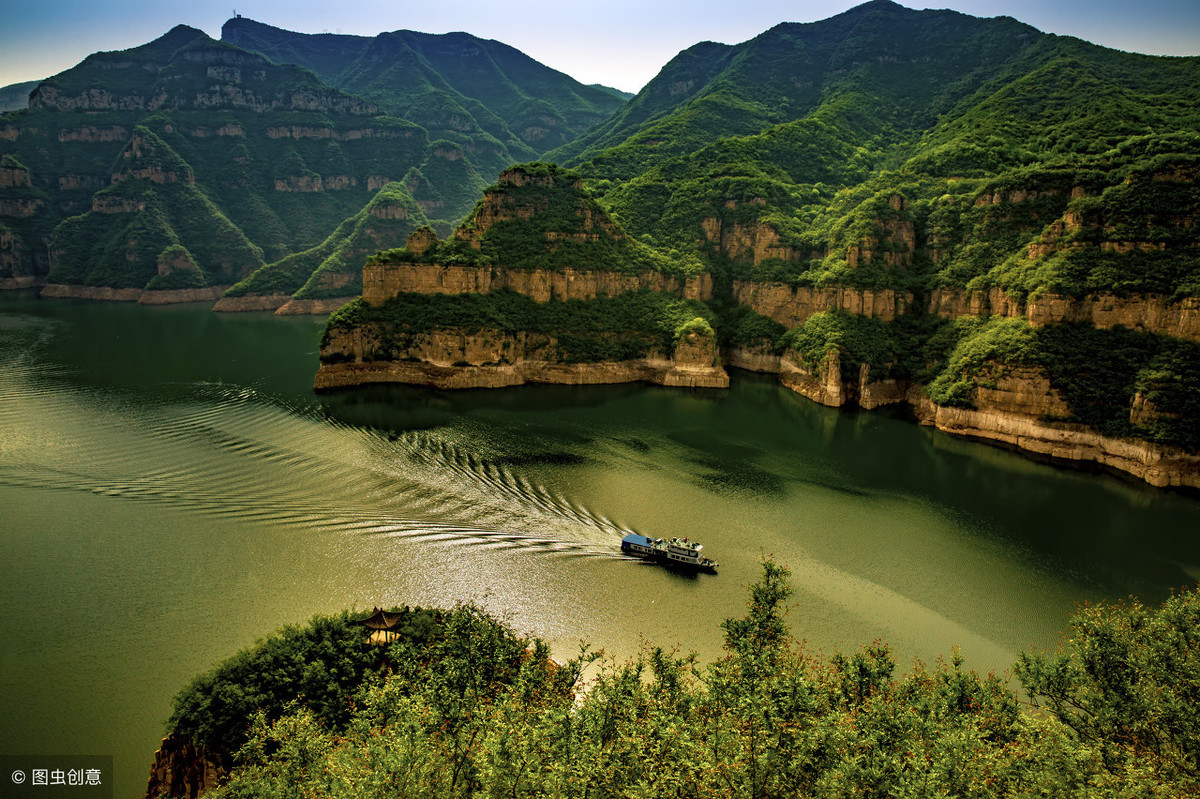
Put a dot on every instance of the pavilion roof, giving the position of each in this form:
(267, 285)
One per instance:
(381, 620)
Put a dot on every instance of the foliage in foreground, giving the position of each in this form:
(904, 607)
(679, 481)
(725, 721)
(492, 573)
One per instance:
(766, 720)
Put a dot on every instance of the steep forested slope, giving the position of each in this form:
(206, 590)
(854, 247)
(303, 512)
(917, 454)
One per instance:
(868, 190)
(275, 158)
(788, 156)
(493, 100)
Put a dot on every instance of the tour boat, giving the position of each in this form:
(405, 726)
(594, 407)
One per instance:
(677, 552)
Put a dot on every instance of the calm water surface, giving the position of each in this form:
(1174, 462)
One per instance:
(171, 490)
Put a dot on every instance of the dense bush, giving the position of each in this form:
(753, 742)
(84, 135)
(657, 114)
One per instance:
(1099, 373)
(985, 350)
(322, 667)
(766, 720)
(857, 340)
(625, 327)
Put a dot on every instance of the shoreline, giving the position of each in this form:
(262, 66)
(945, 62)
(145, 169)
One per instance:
(1061, 444)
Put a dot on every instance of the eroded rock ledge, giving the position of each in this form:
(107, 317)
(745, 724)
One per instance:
(253, 302)
(140, 296)
(1149, 313)
(1156, 464)
(1016, 411)
(492, 359)
(792, 305)
(382, 281)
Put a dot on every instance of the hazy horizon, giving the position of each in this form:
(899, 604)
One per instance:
(620, 44)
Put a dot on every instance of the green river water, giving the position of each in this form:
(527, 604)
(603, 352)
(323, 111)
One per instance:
(171, 490)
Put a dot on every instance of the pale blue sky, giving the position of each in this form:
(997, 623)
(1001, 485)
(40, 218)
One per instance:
(622, 43)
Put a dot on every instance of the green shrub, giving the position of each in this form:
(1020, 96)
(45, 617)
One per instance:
(464, 717)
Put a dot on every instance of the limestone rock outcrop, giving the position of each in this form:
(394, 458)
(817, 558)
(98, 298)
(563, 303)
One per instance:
(384, 280)
(183, 770)
(790, 306)
(493, 359)
(1148, 313)
(1016, 412)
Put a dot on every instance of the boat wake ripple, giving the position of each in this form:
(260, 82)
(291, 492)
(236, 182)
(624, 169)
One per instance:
(228, 452)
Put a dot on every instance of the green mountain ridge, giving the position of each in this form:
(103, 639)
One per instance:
(333, 268)
(867, 190)
(492, 99)
(799, 138)
(282, 156)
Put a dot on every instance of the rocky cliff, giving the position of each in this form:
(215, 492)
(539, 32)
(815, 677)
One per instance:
(1015, 411)
(382, 280)
(790, 306)
(1179, 318)
(254, 302)
(828, 386)
(1016, 407)
(295, 307)
(182, 770)
(140, 296)
(455, 358)
(539, 284)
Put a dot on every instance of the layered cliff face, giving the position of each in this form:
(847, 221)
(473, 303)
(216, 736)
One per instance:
(1014, 412)
(539, 284)
(285, 156)
(790, 306)
(183, 770)
(1159, 314)
(455, 358)
(384, 280)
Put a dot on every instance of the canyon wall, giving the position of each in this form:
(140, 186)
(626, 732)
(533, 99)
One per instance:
(252, 302)
(140, 296)
(1016, 409)
(1015, 413)
(1149, 313)
(493, 359)
(382, 281)
(318, 306)
(790, 306)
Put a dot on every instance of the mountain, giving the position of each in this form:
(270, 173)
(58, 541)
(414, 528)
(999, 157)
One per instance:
(327, 276)
(624, 96)
(275, 158)
(990, 224)
(152, 228)
(742, 151)
(497, 103)
(538, 284)
(16, 95)
(907, 67)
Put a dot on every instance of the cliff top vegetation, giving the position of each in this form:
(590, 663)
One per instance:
(538, 216)
(893, 148)
(466, 708)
